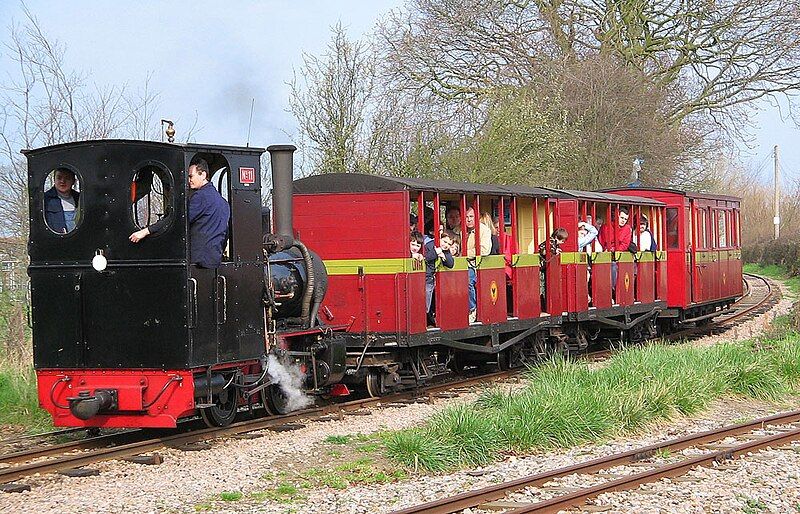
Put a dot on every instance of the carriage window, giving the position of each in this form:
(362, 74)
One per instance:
(151, 196)
(62, 208)
(672, 228)
(723, 230)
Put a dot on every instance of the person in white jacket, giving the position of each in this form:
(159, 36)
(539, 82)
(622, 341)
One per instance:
(587, 233)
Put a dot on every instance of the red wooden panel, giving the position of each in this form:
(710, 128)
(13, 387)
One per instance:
(452, 303)
(662, 277)
(581, 287)
(601, 283)
(553, 289)
(646, 281)
(738, 288)
(625, 286)
(678, 292)
(416, 308)
(378, 303)
(527, 301)
(491, 290)
(353, 226)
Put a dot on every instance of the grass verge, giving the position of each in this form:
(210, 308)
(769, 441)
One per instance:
(566, 403)
(19, 403)
(776, 272)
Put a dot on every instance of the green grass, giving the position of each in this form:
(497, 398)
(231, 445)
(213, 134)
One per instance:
(19, 404)
(18, 397)
(284, 492)
(338, 439)
(230, 496)
(776, 272)
(567, 404)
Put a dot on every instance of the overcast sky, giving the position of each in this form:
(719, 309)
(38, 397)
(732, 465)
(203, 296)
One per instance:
(214, 57)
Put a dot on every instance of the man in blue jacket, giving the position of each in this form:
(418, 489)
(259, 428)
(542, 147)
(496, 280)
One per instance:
(61, 202)
(209, 214)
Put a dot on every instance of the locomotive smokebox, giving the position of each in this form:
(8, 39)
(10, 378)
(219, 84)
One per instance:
(282, 160)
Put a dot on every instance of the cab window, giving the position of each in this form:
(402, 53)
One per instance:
(151, 196)
(62, 206)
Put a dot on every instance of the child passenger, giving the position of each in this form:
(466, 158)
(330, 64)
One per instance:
(416, 246)
(434, 255)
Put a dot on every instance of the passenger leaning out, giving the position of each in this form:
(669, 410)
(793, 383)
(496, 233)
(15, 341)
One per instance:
(415, 245)
(433, 256)
(587, 234)
(485, 246)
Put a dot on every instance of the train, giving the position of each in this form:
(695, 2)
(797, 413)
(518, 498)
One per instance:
(318, 298)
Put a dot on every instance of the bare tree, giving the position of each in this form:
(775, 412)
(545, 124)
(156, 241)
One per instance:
(44, 103)
(716, 57)
(330, 102)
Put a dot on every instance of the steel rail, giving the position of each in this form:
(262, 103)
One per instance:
(11, 474)
(478, 497)
(669, 470)
(769, 296)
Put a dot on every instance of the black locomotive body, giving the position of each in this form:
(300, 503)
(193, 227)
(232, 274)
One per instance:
(134, 334)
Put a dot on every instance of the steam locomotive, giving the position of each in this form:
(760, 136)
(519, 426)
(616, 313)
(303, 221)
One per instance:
(323, 299)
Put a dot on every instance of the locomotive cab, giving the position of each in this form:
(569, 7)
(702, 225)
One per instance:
(102, 305)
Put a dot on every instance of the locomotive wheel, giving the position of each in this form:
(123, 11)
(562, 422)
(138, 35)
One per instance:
(222, 413)
(277, 401)
(373, 384)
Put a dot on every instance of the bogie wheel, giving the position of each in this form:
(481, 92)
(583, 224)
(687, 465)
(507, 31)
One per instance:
(511, 358)
(222, 413)
(373, 384)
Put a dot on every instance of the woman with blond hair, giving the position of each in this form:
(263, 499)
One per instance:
(486, 221)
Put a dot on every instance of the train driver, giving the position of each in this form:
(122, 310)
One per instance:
(209, 214)
(61, 202)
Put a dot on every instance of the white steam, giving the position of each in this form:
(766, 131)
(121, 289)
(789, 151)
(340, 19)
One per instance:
(290, 380)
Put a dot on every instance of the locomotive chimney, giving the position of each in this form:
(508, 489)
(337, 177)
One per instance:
(282, 157)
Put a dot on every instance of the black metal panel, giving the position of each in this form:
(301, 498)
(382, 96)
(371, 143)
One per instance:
(56, 317)
(245, 202)
(203, 316)
(240, 314)
(135, 317)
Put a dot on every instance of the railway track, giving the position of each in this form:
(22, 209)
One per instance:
(760, 295)
(76, 454)
(786, 428)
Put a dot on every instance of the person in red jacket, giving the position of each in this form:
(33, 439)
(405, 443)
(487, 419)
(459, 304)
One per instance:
(616, 238)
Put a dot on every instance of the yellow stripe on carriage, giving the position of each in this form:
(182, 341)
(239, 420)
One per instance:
(574, 258)
(526, 260)
(491, 262)
(601, 258)
(459, 264)
(374, 266)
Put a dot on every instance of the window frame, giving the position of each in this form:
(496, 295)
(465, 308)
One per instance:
(78, 203)
(169, 215)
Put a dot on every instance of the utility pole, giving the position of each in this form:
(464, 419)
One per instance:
(777, 201)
